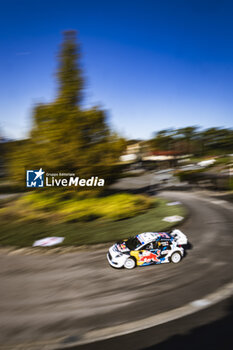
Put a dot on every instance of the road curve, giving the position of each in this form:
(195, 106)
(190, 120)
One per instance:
(53, 299)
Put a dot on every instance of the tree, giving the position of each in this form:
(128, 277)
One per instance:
(217, 140)
(163, 140)
(64, 136)
(69, 74)
(188, 135)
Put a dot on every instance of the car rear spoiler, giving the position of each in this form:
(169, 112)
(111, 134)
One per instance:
(179, 237)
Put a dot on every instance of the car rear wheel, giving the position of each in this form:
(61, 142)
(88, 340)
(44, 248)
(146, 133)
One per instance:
(130, 263)
(176, 257)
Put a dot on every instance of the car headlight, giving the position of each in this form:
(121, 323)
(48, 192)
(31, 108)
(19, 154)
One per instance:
(118, 255)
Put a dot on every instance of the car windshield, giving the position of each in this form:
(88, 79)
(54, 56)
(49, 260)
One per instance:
(132, 243)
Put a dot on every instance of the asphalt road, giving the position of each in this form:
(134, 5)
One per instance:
(57, 299)
(210, 328)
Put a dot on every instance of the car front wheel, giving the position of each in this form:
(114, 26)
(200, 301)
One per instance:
(176, 257)
(130, 263)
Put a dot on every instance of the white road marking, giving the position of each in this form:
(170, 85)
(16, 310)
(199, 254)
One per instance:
(173, 218)
(174, 203)
(200, 303)
(218, 202)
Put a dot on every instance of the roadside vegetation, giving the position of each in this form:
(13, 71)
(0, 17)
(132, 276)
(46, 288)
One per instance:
(64, 207)
(128, 215)
(218, 173)
(194, 141)
(67, 137)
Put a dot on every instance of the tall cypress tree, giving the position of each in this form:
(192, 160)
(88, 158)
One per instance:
(64, 136)
(70, 80)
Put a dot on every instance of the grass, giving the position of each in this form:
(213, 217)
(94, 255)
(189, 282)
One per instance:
(73, 207)
(21, 233)
(224, 160)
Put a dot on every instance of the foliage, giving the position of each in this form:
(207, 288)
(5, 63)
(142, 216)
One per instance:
(190, 176)
(78, 233)
(64, 136)
(231, 183)
(192, 140)
(68, 207)
(163, 140)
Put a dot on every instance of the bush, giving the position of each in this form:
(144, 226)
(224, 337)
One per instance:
(231, 184)
(24, 233)
(71, 207)
(190, 176)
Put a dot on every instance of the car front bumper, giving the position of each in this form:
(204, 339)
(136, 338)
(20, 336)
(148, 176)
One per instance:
(117, 263)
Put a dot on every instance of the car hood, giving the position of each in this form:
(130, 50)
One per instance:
(121, 247)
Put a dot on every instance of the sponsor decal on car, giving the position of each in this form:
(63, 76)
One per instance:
(147, 256)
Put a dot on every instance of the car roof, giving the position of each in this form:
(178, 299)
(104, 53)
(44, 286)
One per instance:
(147, 237)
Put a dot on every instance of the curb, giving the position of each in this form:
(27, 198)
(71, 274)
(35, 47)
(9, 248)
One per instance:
(194, 306)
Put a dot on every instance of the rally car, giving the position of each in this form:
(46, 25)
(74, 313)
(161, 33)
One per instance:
(148, 248)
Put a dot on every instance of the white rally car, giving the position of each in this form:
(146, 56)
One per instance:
(148, 248)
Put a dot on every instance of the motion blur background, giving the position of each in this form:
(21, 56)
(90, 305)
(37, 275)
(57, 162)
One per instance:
(138, 93)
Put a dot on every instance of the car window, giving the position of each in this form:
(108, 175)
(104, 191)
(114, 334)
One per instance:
(132, 243)
(164, 243)
(148, 246)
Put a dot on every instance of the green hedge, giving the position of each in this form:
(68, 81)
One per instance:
(66, 207)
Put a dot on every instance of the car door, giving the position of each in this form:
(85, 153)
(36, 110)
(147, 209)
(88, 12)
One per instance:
(164, 246)
(149, 254)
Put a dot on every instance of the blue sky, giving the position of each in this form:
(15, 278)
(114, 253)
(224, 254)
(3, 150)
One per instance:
(152, 64)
